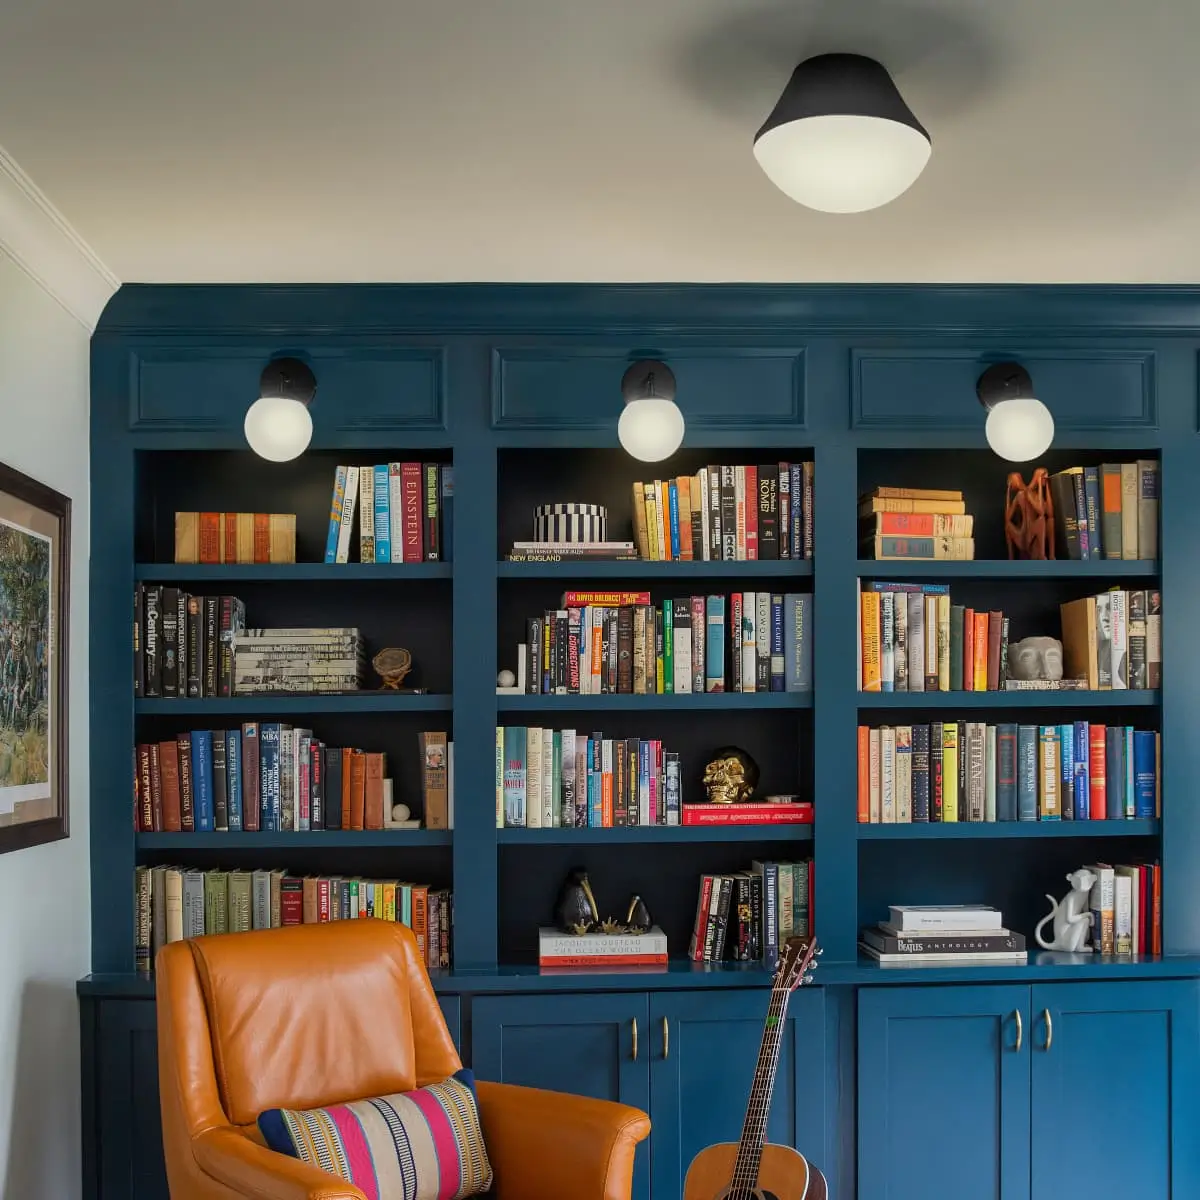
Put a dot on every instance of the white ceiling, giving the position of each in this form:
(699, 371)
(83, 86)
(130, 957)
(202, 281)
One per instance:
(345, 140)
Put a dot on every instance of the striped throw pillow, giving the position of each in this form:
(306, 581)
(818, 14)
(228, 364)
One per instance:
(421, 1145)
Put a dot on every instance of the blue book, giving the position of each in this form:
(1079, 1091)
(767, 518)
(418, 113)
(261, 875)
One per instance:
(714, 644)
(1114, 771)
(769, 872)
(1066, 771)
(1027, 773)
(1091, 493)
(673, 513)
(777, 662)
(233, 777)
(446, 511)
(1127, 762)
(383, 515)
(798, 652)
(268, 765)
(1144, 773)
(515, 778)
(1085, 540)
(920, 772)
(202, 780)
(796, 480)
(335, 514)
(1006, 772)
(1083, 778)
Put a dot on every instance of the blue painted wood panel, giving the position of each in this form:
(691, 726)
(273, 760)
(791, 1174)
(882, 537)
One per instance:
(943, 1094)
(579, 387)
(598, 1046)
(702, 1056)
(1118, 1078)
(919, 388)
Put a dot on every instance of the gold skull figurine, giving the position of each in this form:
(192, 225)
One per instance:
(730, 778)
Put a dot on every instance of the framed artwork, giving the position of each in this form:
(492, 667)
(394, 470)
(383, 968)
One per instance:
(35, 557)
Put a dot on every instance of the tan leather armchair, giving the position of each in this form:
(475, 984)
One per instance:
(319, 1014)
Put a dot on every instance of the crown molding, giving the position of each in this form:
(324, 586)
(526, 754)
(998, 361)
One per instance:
(38, 238)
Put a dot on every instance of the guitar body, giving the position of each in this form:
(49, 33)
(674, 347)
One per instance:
(784, 1174)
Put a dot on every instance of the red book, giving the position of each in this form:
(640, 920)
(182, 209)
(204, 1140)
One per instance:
(606, 960)
(696, 945)
(156, 787)
(251, 777)
(262, 537)
(291, 901)
(969, 650)
(229, 522)
(751, 514)
(735, 641)
(608, 599)
(210, 537)
(1097, 776)
(145, 791)
(168, 765)
(799, 813)
(410, 494)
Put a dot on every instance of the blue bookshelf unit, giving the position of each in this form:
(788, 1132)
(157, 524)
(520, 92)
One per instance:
(518, 387)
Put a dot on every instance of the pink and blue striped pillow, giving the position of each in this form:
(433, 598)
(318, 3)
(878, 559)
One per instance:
(421, 1145)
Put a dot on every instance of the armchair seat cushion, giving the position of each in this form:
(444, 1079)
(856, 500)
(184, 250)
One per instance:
(426, 1144)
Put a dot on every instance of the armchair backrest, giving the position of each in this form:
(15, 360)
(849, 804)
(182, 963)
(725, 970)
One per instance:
(302, 1017)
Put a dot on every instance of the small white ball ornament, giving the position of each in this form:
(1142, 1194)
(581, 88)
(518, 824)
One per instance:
(506, 679)
(401, 812)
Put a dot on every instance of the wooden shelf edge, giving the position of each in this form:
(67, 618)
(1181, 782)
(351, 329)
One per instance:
(985, 830)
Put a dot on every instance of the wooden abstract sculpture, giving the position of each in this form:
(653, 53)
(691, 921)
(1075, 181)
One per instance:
(392, 665)
(1029, 516)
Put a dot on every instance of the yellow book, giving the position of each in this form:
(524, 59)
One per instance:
(389, 900)
(1049, 806)
(871, 678)
(980, 653)
(950, 771)
(651, 521)
(683, 486)
(243, 524)
(943, 642)
(187, 537)
(639, 520)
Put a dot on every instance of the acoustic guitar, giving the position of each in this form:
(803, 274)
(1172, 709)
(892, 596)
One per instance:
(755, 1169)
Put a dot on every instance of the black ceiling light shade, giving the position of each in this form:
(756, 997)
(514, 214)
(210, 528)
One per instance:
(841, 138)
(1019, 426)
(278, 425)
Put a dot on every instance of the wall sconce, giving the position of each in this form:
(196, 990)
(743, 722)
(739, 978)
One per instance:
(651, 425)
(1019, 426)
(278, 424)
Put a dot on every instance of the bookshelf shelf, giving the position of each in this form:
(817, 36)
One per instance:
(705, 701)
(1001, 568)
(289, 572)
(664, 571)
(653, 834)
(1030, 699)
(967, 830)
(285, 705)
(341, 839)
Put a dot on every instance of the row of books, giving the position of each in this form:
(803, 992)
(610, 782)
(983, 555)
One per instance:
(1126, 908)
(173, 902)
(405, 513)
(271, 777)
(726, 514)
(745, 916)
(599, 643)
(183, 644)
(972, 771)
(1114, 640)
(943, 935)
(217, 537)
(301, 661)
(1109, 511)
(915, 523)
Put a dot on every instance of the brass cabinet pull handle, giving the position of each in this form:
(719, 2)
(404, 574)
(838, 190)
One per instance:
(666, 1038)
(1020, 1029)
(1049, 1029)
(635, 1039)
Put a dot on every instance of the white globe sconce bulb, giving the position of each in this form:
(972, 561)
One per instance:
(651, 427)
(1019, 426)
(278, 425)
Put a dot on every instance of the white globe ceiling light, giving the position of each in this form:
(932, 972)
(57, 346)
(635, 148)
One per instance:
(278, 424)
(651, 425)
(1019, 426)
(841, 139)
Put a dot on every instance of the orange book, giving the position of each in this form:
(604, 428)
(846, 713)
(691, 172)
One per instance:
(210, 537)
(420, 918)
(358, 788)
(1156, 936)
(683, 486)
(606, 800)
(168, 767)
(871, 678)
(372, 811)
(347, 755)
(1097, 774)
(434, 779)
(864, 775)
(262, 537)
(229, 537)
(981, 652)
(969, 650)
(312, 900)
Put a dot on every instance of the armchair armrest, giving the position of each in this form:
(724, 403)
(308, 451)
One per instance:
(248, 1169)
(547, 1145)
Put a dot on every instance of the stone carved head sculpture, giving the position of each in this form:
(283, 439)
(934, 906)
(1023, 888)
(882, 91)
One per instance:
(1036, 658)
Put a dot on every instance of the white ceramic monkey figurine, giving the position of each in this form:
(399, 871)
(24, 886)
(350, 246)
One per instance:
(1071, 917)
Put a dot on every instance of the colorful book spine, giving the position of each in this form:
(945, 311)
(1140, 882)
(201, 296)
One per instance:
(202, 780)
(383, 513)
(714, 644)
(233, 777)
(335, 514)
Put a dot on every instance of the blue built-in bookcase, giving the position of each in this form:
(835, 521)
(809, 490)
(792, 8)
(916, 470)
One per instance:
(519, 388)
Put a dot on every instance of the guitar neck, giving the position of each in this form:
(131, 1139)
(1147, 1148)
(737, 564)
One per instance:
(754, 1127)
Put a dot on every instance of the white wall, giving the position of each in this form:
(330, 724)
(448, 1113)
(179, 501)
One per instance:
(45, 923)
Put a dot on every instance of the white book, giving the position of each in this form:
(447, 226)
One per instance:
(565, 817)
(887, 775)
(1119, 605)
(874, 768)
(551, 807)
(916, 642)
(1123, 913)
(366, 514)
(683, 657)
(663, 518)
(705, 526)
(533, 777)
(915, 918)
(900, 640)
(749, 642)
(762, 638)
(553, 943)
(606, 757)
(931, 639)
(395, 512)
(349, 504)
(989, 776)
(903, 774)
(999, 958)
(887, 641)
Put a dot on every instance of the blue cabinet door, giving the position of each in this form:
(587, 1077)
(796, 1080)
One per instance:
(1116, 1089)
(703, 1048)
(943, 1093)
(596, 1045)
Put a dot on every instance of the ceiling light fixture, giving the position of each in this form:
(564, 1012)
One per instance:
(651, 425)
(278, 424)
(1019, 426)
(841, 139)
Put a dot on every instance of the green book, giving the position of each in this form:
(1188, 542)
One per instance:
(956, 647)
(668, 651)
(216, 901)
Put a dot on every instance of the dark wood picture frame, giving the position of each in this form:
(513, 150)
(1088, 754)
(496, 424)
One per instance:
(38, 512)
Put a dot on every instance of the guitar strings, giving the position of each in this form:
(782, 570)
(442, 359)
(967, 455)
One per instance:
(749, 1158)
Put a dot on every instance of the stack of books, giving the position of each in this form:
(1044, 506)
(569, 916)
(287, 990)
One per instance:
(1114, 640)
(306, 661)
(1126, 908)
(404, 510)
(183, 644)
(215, 537)
(1109, 511)
(915, 523)
(608, 950)
(944, 935)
